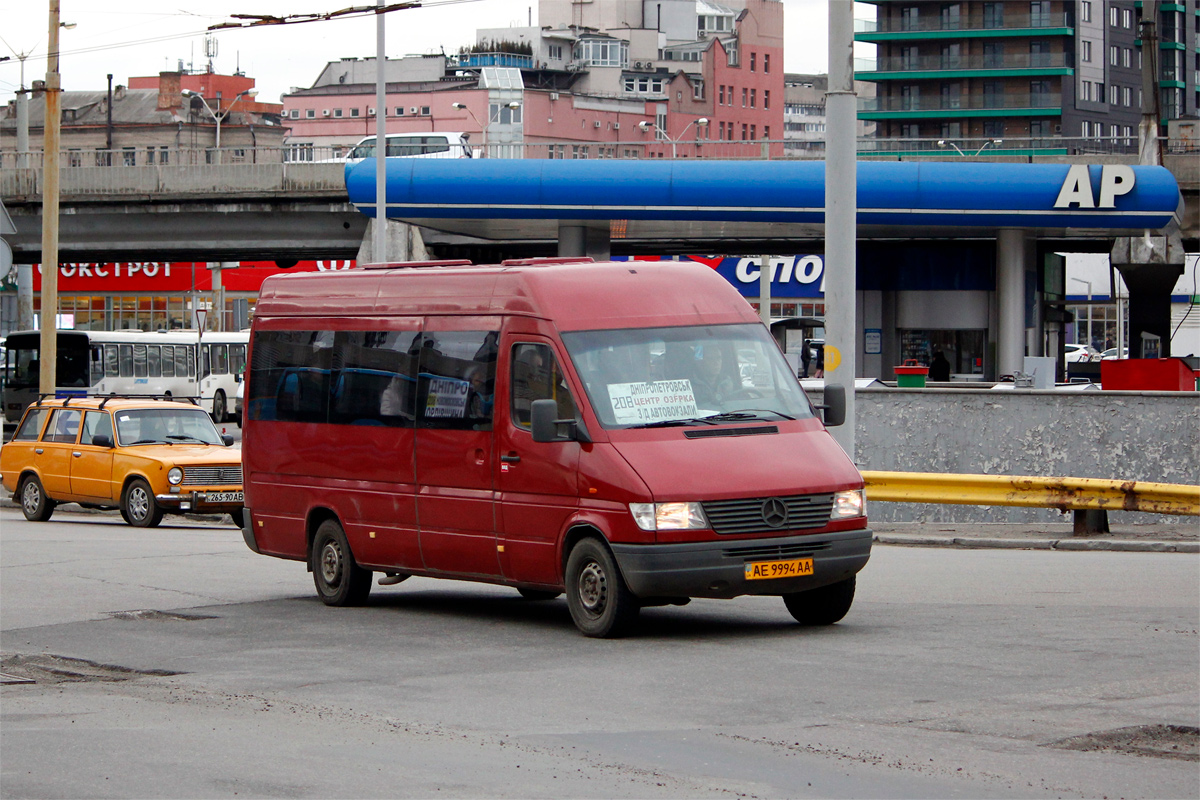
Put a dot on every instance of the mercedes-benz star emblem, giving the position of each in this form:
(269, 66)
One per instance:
(774, 512)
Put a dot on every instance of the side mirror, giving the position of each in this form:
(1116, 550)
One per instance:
(834, 405)
(548, 429)
(100, 440)
(227, 439)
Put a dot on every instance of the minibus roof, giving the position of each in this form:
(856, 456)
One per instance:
(576, 296)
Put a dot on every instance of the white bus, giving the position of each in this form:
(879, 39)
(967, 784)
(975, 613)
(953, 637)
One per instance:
(171, 364)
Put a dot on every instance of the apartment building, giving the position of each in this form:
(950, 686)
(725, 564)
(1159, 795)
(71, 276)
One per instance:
(1023, 71)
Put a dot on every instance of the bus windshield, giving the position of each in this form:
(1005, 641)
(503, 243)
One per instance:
(704, 374)
(23, 365)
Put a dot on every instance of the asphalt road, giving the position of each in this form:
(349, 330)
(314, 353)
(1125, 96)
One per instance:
(954, 675)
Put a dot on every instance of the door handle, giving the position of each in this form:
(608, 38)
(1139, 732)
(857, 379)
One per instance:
(77, 454)
(513, 458)
(38, 450)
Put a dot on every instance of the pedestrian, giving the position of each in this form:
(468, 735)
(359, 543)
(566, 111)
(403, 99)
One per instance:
(939, 368)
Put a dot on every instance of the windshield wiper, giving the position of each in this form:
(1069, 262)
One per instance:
(149, 441)
(748, 413)
(184, 436)
(669, 423)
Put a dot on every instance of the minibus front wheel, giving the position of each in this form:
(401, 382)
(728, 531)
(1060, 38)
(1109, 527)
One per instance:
(340, 581)
(601, 604)
(823, 606)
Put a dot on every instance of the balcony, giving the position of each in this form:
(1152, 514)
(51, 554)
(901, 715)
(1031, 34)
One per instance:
(970, 105)
(517, 60)
(963, 26)
(959, 66)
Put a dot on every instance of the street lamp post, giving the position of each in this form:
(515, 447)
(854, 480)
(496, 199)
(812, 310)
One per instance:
(647, 125)
(942, 143)
(514, 105)
(218, 115)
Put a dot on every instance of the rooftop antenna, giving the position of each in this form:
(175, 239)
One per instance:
(210, 50)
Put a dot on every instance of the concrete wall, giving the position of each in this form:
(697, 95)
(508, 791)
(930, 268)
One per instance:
(1152, 436)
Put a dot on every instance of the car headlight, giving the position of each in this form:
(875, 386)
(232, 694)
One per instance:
(175, 476)
(849, 504)
(668, 516)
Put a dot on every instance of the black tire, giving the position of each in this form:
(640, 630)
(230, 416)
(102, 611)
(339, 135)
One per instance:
(219, 407)
(35, 505)
(538, 594)
(238, 516)
(138, 506)
(823, 606)
(340, 581)
(601, 604)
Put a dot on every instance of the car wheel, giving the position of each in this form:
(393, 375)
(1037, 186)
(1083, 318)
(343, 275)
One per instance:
(340, 581)
(601, 604)
(138, 505)
(238, 516)
(218, 412)
(538, 594)
(823, 606)
(35, 505)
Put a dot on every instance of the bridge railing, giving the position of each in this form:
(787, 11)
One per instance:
(299, 168)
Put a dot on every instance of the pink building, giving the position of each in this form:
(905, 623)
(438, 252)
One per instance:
(647, 79)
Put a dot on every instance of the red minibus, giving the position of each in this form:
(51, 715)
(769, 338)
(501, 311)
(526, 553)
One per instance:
(629, 434)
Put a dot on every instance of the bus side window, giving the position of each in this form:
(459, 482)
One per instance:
(220, 359)
(140, 369)
(237, 358)
(154, 360)
(126, 361)
(97, 364)
(205, 360)
(112, 361)
(168, 361)
(191, 362)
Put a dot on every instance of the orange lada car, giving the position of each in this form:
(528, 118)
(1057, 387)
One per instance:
(145, 457)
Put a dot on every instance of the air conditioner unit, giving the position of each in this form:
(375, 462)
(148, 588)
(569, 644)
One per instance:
(370, 112)
(1058, 128)
(616, 126)
(597, 123)
(637, 65)
(325, 113)
(412, 110)
(554, 95)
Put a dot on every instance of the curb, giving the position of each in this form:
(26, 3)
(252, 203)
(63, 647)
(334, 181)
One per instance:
(1094, 545)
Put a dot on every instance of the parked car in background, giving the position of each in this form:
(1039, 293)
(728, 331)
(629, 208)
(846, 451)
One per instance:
(1081, 353)
(146, 457)
(1111, 353)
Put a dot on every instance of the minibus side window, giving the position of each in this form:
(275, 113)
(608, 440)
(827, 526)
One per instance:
(375, 378)
(457, 379)
(536, 376)
(289, 379)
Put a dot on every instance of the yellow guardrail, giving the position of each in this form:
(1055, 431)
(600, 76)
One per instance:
(1066, 494)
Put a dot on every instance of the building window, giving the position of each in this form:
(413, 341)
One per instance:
(1113, 11)
(399, 111)
(993, 128)
(910, 131)
(951, 15)
(766, 98)
(502, 114)
(1085, 51)
(337, 112)
(721, 94)
(1039, 14)
(1085, 11)
(744, 127)
(354, 112)
(1114, 55)
(753, 132)
(698, 90)
(310, 113)
(753, 60)
(1126, 96)
(752, 97)
(993, 15)
(744, 95)
(1127, 18)
(1126, 56)
(602, 52)
(766, 131)
(910, 18)
(766, 62)
(555, 51)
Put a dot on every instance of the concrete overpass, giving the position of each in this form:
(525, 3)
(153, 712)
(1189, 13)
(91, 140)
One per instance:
(291, 210)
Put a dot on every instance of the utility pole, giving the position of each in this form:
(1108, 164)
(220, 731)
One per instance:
(380, 225)
(841, 216)
(48, 355)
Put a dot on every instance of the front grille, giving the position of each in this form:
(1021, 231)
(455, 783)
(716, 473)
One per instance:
(746, 515)
(212, 476)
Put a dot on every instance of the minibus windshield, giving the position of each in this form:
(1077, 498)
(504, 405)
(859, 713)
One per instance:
(695, 375)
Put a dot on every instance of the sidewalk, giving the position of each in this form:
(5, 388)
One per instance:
(1176, 537)
(1180, 537)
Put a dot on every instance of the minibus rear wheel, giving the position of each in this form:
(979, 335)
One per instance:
(340, 581)
(601, 604)
(823, 606)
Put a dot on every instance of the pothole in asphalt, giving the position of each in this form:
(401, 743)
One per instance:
(46, 668)
(1158, 741)
(150, 615)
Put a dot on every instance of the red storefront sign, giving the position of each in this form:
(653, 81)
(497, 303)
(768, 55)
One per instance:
(163, 277)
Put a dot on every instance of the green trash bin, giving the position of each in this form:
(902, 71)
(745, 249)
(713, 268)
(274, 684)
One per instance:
(911, 375)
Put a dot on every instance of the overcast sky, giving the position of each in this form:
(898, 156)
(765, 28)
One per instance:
(145, 37)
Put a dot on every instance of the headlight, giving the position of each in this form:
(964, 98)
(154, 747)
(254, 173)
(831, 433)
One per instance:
(849, 504)
(668, 516)
(175, 476)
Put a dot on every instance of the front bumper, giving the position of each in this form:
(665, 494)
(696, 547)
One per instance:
(717, 569)
(200, 501)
